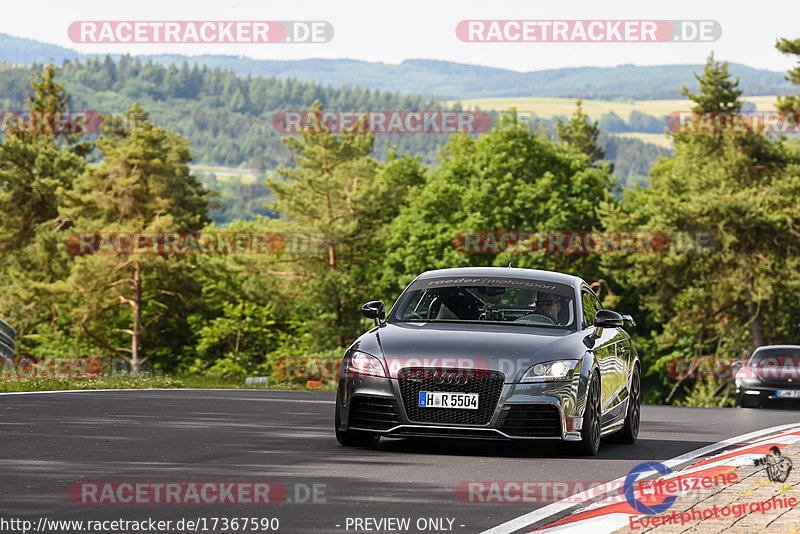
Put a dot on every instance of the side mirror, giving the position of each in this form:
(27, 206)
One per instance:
(374, 309)
(608, 319)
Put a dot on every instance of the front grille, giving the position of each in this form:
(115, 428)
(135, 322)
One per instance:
(373, 413)
(455, 432)
(487, 384)
(534, 420)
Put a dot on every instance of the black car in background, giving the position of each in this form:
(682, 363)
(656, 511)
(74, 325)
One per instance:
(772, 373)
(492, 353)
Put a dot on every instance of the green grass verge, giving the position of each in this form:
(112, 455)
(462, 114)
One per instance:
(148, 382)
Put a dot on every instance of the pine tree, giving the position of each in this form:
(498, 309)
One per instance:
(37, 169)
(143, 185)
(36, 166)
(324, 196)
(580, 133)
(718, 91)
(792, 48)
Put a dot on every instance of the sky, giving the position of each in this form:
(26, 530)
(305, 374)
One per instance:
(391, 32)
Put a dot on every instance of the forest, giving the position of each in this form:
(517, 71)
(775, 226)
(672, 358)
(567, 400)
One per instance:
(382, 221)
(228, 118)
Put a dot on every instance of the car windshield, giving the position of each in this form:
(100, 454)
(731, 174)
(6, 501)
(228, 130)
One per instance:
(492, 300)
(777, 356)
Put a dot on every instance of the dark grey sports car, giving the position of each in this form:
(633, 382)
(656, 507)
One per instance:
(497, 353)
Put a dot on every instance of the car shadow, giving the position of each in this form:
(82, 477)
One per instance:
(782, 404)
(643, 449)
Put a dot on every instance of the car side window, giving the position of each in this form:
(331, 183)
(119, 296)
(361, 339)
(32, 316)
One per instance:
(590, 306)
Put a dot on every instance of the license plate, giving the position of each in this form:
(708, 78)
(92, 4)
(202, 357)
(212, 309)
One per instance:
(438, 399)
(788, 393)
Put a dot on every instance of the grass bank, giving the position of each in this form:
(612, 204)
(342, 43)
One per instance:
(150, 382)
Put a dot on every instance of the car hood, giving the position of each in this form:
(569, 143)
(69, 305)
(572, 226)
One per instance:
(510, 349)
(778, 371)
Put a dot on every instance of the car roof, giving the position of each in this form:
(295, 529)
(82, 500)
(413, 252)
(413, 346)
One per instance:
(505, 272)
(762, 347)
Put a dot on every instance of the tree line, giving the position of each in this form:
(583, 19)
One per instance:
(228, 118)
(381, 222)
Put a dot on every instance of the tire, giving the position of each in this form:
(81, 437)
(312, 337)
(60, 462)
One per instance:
(747, 401)
(353, 438)
(630, 430)
(590, 431)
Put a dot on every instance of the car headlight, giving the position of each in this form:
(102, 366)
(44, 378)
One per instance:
(359, 364)
(738, 378)
(745, 376)
(556, 370)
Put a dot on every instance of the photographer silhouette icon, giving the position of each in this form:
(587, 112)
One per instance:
(778, 467)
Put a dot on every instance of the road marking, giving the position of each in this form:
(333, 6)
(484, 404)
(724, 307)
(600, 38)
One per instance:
(535, 516)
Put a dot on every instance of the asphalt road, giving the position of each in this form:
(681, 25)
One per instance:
(51, 441)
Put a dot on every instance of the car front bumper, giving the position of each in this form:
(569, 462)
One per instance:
(762, 393)
(523, 411)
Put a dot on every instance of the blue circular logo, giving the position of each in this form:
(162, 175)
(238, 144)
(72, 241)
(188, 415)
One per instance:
(630, 481)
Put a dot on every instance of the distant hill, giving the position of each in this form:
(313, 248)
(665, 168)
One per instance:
(443, 79)
(19, 50)
(229, 119)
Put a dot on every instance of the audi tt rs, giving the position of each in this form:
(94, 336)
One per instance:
(492, 353)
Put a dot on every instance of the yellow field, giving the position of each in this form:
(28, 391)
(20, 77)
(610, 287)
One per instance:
(656, 139)
(223, 173)
(548, 107)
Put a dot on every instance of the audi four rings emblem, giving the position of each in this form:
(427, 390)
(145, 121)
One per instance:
(449, 379)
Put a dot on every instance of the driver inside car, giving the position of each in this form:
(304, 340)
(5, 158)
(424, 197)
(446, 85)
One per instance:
(548, 305)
